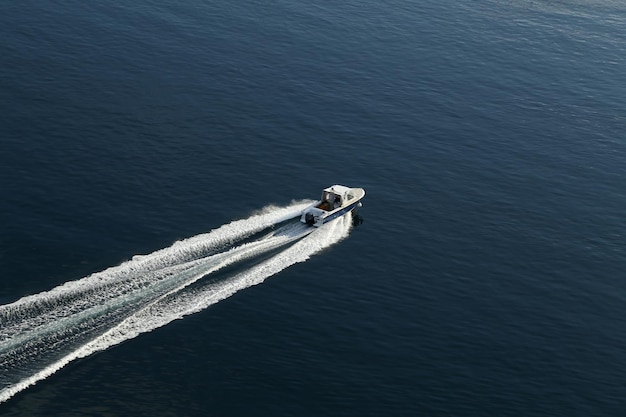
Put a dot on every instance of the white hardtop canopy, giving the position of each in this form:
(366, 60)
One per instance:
(337, 189)
(336, 196)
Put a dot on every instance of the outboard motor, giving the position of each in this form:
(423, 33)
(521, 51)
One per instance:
(309, 219)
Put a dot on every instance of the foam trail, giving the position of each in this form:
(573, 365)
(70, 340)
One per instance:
(183, 304)
(76, 296)
(180, 251)
(188, 273)
(147, 292)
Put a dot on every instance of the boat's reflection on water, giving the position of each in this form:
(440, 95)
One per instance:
(357, 220)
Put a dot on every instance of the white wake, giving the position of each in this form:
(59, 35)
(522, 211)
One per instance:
(41, 333)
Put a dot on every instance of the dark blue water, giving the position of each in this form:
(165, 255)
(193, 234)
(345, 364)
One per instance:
(486, 277)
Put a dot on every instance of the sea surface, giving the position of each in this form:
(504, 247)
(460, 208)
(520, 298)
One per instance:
(154, 156)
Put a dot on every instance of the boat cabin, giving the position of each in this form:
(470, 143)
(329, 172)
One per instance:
(334, 197)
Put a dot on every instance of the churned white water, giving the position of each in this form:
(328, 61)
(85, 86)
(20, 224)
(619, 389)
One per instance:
(42, 333)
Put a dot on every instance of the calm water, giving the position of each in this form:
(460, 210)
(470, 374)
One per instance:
(486, 277)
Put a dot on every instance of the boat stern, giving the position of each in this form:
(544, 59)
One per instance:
(313, 216)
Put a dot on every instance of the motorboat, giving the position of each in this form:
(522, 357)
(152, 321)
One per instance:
(335, 202)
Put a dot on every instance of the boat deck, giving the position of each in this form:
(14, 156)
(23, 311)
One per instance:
(325, 205)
